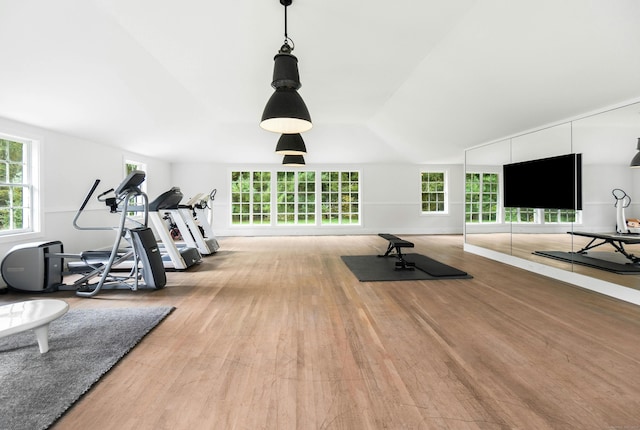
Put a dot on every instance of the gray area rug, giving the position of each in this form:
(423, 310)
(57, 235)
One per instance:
(36, 389)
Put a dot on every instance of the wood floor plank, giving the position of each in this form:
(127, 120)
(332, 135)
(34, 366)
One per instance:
(276, 333)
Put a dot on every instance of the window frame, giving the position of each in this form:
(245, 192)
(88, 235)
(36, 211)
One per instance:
(444, 192)
(266, 217)
(129, 166)
(497, 202)
(31, 170)
(519, 213)
(333, 217)
(296, 198)
(577, 215)
(540, 216)
(299, 198)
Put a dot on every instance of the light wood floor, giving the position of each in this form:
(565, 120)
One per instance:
(276, 333)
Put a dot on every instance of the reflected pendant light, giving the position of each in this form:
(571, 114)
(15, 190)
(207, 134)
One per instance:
(285, 111)
(291, 144)
(635, 162)
(293, 160)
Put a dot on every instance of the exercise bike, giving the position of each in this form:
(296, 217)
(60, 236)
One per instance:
(38, 267)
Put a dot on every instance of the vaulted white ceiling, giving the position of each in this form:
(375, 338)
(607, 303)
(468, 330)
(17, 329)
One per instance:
(401, 81)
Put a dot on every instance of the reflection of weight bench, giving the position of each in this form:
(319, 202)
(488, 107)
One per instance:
(395, 243)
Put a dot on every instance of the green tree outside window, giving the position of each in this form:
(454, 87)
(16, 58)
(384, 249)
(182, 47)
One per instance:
(15, 190)
(433, 192)
(481, 197)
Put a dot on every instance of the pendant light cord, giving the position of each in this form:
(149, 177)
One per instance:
(287, 39)
(285, 25)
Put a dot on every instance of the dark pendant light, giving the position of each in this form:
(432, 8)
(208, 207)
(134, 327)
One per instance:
(293, 160)
(636, 160)
(291, 144)
(286, 112)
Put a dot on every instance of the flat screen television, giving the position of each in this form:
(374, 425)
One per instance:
(547, 183)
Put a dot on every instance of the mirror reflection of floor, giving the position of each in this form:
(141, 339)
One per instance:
(524, 245)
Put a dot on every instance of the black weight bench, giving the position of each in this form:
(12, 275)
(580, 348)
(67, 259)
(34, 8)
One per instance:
(396, 244)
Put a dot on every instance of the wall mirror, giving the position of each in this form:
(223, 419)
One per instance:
(480, 228)
(607, 142)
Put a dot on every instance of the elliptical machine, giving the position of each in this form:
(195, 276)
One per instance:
(38, 267)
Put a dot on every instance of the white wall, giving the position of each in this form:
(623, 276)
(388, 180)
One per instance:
(598, 181)
(390, 199)
(69, 167)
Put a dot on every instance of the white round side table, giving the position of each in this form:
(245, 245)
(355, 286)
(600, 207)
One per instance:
(31, 315)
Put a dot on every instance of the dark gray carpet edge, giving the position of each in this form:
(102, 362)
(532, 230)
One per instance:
(371, 268)
(84, 344)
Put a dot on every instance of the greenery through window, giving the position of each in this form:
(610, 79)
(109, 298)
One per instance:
(130, 166)
(296, 196)
(340, 197)
(250, 198)
(300, 198)
(560, 215)
(539, 216)
(433, 192)
(481, 197)
(15, 187)
(521, 215)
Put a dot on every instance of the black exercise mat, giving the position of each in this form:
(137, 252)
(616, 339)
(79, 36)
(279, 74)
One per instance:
(598, 263)
(371, 268)
(434, 267)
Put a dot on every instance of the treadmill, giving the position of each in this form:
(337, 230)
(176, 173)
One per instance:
(175, 255)
(193, 224)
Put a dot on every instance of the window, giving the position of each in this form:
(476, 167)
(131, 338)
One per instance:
(286, 197)
(296, 197)
(542, 216)
(306, 198)
(481, 197)
(250, 198)
(340, 197)
(561, 215)
(434, 192)
(130, 166)
(520, 215)
(299, 198)
(16, 186)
